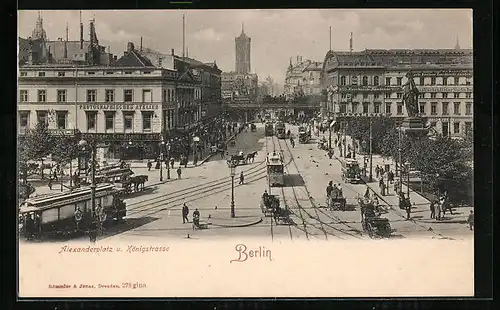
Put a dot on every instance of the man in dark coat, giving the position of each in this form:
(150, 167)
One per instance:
(185, 213)
(329, 189)
(242, 178)
(470, 220)
(179, 173)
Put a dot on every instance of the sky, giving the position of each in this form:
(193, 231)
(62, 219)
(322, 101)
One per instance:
(276, 35)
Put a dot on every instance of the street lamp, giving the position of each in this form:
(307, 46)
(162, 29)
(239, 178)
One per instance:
(168, 162)
(84, 147)
(162, 145)
(232, 167)
(407, 164)
(371, 155)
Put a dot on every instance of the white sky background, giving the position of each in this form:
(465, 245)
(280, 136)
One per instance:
(276, 35)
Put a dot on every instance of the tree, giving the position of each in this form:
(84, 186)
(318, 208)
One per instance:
(444, 163)
(359, 129)
(36, 144)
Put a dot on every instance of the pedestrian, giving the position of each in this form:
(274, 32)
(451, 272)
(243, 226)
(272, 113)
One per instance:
(185, 162)
(377, 171)
(185, 213)
(433, 209)
(381, 185)
(470, 220)
(172, 162)
(329, 189)
(179, 172)
(195, 159)
(55, 174)
(367, 193)
(149, 165)
(241, 178)
(50, 183)
(391, 176)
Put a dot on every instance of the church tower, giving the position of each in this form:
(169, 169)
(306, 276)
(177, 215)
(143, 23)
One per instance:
(38, 32)
(243, 52)
(457, 45)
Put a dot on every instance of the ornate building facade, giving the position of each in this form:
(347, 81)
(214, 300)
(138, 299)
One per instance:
(129, 104)
(303, 78)
(242, 44)
(371, 82)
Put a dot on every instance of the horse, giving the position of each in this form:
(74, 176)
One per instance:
(139, 180)
(251, 156)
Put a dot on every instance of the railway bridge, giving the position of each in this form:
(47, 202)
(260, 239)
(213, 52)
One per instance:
(248, 110)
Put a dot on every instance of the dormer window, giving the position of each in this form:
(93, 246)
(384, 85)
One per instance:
(128, 72)
(61, 73)
(90, 73)
(41, 73)
(24, 73)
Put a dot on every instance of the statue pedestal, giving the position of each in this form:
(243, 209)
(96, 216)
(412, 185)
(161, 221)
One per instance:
(414, 126)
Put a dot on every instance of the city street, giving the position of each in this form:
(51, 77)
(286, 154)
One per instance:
(156, 212)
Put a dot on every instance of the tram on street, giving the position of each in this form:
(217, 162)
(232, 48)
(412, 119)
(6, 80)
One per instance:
(68, 212)
(351, 172)
(275, 169)
(304, 133)
(269, 129)
(280, 129)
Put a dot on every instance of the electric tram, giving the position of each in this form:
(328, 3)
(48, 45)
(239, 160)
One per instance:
(279, 128)
(275, 169)
(68, 212)
(269, 129)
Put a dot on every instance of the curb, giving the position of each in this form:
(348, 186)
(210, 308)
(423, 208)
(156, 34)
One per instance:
(239, 225)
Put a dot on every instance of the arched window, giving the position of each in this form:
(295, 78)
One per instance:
(375, 81)
(342, 80)
(365, 80)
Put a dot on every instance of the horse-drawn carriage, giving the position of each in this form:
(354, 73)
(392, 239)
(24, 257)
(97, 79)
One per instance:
(270, 205)
(336, 200)
(133, 184)
(371, 221)
(242, 159)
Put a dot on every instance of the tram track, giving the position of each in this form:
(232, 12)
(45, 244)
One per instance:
(389, 208)
(284, 200)
(336, 220)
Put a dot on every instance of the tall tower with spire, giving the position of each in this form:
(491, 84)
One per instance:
(243, 52)
(39, 32)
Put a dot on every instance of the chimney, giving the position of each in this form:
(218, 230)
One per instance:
(115, 58)
(173, 52)
(81, 31)
(141, 45)
(130, 47)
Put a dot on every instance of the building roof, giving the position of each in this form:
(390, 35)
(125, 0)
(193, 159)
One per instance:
(73, 47)
(396, 58)
(133, 59)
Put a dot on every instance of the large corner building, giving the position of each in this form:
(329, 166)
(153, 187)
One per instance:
(370, 82)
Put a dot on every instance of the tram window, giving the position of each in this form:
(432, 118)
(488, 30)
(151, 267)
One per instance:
(50, 215)
(275, 169)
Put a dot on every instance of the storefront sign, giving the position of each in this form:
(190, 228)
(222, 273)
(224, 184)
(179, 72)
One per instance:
(119, 106)
(441, 89)
(105, 137)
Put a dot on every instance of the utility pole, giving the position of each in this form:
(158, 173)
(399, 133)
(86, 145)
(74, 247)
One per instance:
(371, 155)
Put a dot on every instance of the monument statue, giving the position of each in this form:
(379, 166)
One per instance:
(414, 123)
(410, 96)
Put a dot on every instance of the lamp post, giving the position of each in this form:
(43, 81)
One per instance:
(371, 155)
(168, 160)
(162, 145)
(407, 164)
(232, 167)
(400, 163)
(84, 147)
